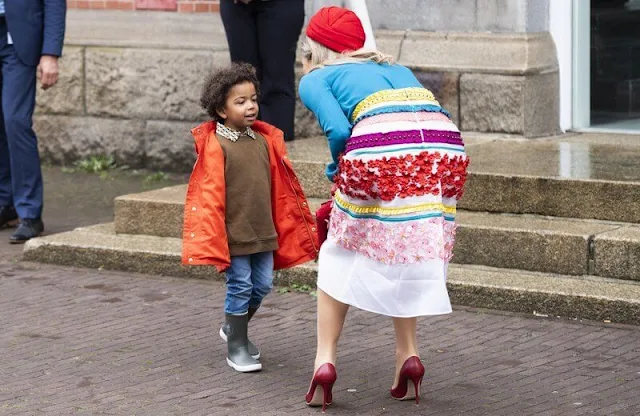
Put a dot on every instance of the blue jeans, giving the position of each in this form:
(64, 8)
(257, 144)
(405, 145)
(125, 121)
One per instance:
(249, 280)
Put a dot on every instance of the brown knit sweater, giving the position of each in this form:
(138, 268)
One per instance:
(249, 221)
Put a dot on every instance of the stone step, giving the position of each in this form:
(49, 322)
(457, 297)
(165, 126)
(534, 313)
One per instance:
(548, 244)
(582, 176)
(527, 242)
(505, 289)
(159, 212)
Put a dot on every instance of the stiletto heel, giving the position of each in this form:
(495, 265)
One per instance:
(417, 382)
(324, 378)
(412, 371)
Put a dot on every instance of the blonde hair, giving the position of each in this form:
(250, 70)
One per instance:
(319, 55)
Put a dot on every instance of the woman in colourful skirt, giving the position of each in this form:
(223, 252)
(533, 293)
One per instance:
(399, 167)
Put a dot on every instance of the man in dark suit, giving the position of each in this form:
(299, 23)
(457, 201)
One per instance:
(264, 33)
(31, 38)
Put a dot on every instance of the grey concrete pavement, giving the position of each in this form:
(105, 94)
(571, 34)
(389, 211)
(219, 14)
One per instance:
(78, 199)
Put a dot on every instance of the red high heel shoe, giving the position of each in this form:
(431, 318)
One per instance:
(324, 378)
(411, 372)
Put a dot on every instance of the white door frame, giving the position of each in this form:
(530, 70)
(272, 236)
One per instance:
(581, 83)
(561, 29)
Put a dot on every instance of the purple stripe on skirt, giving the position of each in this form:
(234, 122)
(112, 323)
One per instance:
(403, 137)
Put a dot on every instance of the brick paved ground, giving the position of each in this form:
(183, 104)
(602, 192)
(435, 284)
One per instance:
(91, 342)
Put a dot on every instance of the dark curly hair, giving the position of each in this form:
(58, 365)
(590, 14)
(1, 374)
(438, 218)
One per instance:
(219, 83)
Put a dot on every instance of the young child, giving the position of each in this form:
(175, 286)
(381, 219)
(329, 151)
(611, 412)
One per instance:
(245, 211)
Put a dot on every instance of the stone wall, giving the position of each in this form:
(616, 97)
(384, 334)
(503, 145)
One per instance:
(139, 103)
(454, 15)
(135, 104)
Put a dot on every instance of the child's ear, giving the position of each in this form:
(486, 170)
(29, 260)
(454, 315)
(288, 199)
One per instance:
(222, 114)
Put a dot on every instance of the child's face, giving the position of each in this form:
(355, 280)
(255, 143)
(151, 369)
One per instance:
(241, 108)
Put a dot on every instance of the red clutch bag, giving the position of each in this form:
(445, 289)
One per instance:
(323, 215)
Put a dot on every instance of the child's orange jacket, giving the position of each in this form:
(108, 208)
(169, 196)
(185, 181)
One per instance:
(204, 238)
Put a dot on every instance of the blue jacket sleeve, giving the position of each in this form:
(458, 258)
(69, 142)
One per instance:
(317, 96)
(55, 12)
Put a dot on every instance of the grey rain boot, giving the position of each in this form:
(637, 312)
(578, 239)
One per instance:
(238, 356)
(253, 350)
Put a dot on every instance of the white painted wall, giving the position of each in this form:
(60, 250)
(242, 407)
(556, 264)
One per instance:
(561, 28)
(359, 7)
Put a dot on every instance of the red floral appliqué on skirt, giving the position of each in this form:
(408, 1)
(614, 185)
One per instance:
(427, 173)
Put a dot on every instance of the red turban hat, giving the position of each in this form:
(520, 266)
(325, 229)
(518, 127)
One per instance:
(336, 28)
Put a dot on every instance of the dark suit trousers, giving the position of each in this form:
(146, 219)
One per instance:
(265, 34)
(20, 174)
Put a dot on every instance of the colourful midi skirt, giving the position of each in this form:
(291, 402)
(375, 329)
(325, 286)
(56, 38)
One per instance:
(392, 226)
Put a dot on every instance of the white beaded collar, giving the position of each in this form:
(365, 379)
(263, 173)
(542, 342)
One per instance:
(232, 134)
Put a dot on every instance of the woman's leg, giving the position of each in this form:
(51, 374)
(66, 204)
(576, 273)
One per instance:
(406, 342)
(331, 315)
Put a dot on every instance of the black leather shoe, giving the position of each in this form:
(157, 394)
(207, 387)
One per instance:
(27, 230)
(8, 217)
